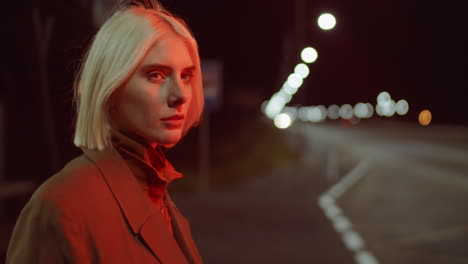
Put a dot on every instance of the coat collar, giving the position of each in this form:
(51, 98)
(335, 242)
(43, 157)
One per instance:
(136, 207)
(147, 160)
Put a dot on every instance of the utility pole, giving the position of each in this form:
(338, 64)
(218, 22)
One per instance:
(42, 33)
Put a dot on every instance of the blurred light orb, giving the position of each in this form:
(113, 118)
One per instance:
(302, 114)
(333, 112)
(288, 89)
(276, 104)
(360, 110)
(346, 111)
(283, 121)
(302, 70)
(378, 109)
(323, 110)
(388, 108)
(280, 98)
(285, 98)
(353, 241)
(370, 110)
(315, 114)
(309, 55)
(341, 223)
(425, 117)
(294, 80)
(383, 97)
(402, 107)
(332, 211)
(291, 111)
(273, 108)
(326, 21)
(264, 106)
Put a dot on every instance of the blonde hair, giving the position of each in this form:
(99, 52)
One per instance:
(116, 51)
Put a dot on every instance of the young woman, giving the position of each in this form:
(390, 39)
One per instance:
(139, 89)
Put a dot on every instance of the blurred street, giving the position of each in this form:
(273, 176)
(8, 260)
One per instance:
(408, 206)
(375, 171)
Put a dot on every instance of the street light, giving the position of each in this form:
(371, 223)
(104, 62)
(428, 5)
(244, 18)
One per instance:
(309, 55)
(302, 70)
(283, 121)
(326, 21)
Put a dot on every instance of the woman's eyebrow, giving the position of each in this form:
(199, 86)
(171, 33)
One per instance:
(166, 67)
(157, 66)
(190, 68)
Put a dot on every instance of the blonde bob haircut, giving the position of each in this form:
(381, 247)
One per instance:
(115, 53)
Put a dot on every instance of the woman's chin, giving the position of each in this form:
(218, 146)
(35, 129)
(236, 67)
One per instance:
(169, 138)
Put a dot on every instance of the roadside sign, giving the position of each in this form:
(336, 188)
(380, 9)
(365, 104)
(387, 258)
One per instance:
(212, 72)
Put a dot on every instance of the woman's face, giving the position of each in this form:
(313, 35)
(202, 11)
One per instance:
(153, 105)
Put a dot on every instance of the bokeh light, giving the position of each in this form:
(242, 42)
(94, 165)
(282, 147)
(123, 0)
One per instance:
(291, 111)
(294, 80)
(283, 121)
(370, 110)
(402, 107)
(346, 111)
(388, 108)
(378, 109)
(302, 113)
(302, 70)
(326, 21)
(324, 112)
(273, 108)
(264, 106)
(309, 55)
(383, 97)
(333, 112)
(360, 110)
(277, 103)
(425, 117)
(288, 89)
(315, 114)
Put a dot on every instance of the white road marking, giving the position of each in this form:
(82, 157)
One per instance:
(365, 257)
(352, 240)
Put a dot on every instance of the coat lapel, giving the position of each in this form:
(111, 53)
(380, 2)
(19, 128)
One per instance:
(136, 206)
(182, 233)
(157, 236)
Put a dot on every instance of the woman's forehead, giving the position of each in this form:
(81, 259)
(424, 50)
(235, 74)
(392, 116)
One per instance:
(170, 50)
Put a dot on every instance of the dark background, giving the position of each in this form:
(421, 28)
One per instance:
(416, 50)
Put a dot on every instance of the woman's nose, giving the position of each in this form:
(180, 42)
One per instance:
(177, 95)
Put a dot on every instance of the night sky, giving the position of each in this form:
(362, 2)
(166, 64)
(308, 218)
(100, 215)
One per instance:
(416, 50)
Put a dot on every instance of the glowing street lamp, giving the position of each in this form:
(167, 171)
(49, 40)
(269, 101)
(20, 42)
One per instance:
(283, 121)
(302, 70)
(309, 55)
(402, 107)
(326, 21)
(294, 80)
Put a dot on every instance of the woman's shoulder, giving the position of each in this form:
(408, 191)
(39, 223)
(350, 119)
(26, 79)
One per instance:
(79, 180)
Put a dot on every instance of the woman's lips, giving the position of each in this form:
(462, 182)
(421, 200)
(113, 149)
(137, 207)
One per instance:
(173, 122)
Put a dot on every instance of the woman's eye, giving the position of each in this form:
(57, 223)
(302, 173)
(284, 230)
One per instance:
(187, 76)
(155, 76)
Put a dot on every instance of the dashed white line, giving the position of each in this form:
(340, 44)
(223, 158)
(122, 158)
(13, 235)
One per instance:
(352, 240)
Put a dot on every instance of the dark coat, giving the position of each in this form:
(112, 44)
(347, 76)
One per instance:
(94, 211)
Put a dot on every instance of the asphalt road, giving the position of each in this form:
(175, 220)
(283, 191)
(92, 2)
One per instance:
(402, 195)
(407, 206)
